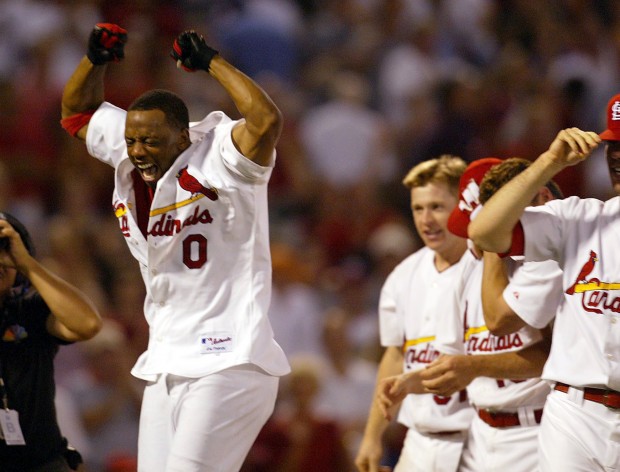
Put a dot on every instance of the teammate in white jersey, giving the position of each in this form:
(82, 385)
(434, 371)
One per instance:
(191, 201)
(580, 427)
(411, 301)
(535, 289)
(500, 372)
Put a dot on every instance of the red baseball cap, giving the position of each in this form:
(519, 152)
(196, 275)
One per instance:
(612, 133)
(469, 191)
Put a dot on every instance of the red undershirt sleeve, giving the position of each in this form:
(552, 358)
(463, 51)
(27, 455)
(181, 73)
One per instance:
(518, 242)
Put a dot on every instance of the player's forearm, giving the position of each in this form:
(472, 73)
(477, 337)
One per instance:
(84, 90)
(524, 364)
(376, 424)
(498, 316)
(492, 228)
(391, 364)
(70, 307)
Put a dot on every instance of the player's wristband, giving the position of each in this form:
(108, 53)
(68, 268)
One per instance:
(74, 123)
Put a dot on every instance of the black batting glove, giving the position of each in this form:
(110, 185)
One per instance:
(106, 44)
(190, 51)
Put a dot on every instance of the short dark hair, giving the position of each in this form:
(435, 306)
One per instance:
(21, 281)
(171, 104)
(500, 174)
(21, 230)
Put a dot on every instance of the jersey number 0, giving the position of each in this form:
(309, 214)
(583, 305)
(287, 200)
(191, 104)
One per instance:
(195, 251)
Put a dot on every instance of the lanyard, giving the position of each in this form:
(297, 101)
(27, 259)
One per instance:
(5, 398)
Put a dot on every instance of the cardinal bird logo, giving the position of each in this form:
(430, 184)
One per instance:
(585, 271)
(191, 184)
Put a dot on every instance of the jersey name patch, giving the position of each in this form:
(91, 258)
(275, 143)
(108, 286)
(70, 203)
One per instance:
(216, 343)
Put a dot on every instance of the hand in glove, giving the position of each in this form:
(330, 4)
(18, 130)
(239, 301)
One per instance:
(106, 43)
(191, 52)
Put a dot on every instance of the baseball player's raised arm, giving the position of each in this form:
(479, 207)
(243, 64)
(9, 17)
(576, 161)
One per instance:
(256, 136)
(492, 229)
(498, 316)
(84, 91)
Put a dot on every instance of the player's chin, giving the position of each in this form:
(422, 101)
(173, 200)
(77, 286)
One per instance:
(434, 241)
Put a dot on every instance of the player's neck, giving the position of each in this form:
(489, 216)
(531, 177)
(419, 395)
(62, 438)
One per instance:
(450, 256)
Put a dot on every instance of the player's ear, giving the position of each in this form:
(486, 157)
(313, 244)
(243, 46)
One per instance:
(543, 196)
(184, 140)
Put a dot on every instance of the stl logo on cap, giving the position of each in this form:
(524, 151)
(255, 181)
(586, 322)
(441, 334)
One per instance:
(469, 191)
(612, 133)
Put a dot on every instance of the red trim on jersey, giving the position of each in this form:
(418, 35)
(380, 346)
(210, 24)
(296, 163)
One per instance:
(518, 242)
(144, 198)
(74, 123)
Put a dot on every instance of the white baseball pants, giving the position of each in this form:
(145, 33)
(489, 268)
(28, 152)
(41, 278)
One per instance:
(205, 424)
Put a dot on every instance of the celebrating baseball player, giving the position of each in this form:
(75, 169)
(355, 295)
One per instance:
(412, 298)
(191, 202)
(579, 428)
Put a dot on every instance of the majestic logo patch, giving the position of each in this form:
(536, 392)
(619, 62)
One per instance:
(216, 343)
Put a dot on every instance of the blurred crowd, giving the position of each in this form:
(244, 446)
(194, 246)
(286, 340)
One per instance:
(368, 89)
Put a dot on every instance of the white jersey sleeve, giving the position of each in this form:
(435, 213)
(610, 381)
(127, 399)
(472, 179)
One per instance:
(391, 326)
(534, 292)
(105, 138)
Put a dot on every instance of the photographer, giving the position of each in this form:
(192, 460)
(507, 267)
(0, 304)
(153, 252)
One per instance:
(38, 313)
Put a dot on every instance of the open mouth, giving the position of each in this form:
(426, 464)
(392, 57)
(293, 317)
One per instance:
(433, 235)
(148, 171)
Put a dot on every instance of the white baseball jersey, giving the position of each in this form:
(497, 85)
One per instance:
(582, 236)
(411, 302)
(205, 260)
(464, 332)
